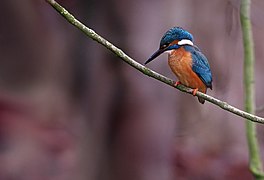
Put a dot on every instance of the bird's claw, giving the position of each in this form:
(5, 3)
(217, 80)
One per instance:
(177, 83)
(195, 91)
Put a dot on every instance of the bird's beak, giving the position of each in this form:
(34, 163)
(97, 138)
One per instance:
(156, 54)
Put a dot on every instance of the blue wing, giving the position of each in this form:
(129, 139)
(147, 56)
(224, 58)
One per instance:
(200, 65)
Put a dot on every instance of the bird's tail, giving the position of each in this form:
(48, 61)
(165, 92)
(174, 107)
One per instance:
(201, 100)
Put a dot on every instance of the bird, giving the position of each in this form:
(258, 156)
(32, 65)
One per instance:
(186, 60)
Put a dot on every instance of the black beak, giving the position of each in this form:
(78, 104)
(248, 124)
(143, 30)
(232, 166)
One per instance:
(156, 54)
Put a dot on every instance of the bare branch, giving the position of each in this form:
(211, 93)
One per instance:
(255, 164)
(118, 52)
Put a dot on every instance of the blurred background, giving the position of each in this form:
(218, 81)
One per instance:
(70, 109)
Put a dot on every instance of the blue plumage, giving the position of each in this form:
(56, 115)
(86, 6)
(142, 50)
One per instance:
(200, 65)
(175, 33)
(185, 60)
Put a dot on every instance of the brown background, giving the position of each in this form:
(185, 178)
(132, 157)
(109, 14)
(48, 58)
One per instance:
(70, 109)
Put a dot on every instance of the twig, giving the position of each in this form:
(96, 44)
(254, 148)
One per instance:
(255, 164)
(118, 52)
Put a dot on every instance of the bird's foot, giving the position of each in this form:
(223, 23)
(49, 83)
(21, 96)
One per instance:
(195, 91)
(177, 83)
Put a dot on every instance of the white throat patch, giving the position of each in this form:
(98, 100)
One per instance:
(169, 52)
(185, 42)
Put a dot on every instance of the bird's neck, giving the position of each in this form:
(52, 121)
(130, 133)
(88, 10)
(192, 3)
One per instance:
(176, 54)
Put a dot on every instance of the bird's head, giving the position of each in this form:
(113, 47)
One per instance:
(173, 39)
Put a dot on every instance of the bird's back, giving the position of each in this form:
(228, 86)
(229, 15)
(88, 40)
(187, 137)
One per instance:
(192, 70)
(200, 65)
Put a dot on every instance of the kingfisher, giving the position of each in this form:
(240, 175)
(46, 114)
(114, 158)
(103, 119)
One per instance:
(186, 60)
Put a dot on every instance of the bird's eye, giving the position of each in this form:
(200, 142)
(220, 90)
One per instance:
(165, 45)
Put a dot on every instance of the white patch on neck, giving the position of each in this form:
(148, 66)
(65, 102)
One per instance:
(169, 51)
(185, 42)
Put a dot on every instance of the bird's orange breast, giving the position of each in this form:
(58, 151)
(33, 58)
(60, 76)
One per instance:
(180, 62)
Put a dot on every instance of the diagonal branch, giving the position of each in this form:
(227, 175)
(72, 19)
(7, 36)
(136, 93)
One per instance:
(118, 52)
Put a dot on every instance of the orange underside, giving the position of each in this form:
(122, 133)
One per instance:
(180, 63)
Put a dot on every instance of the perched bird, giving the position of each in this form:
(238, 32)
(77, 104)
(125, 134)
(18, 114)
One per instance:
(186, 61)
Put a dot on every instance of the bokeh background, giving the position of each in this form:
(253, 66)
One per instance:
(70, 109)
